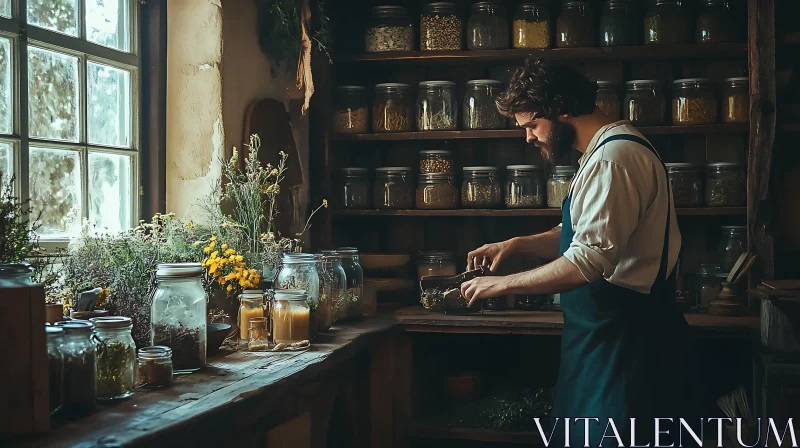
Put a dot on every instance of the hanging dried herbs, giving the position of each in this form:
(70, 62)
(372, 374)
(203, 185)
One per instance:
(280, 30)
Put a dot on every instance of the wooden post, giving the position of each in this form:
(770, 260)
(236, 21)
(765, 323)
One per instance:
(390, 391)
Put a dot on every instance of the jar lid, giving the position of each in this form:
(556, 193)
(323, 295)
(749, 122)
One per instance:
(436, 176)
(533, 5)
(690, 81)
(565, 169)
(348, 87)
(606, 85)
(575, 4)
(389, 11)
(725, 165)
(738, 81)
(290, 294)
(437, 84)
(297, 257)
(636, 84)
(614, 4)
(681, 166)
(483, 82)
(111, 322)
(668, 2)
(391, 169)
(479, 168)
(436, 256)
(347, 251)
(15, 268)
(155, 352)
(522, 167)
(392, 86)
(170, 270)
(734, 228)
(483, 6)
(53, 331)
(330, 255)
(354, 170)
(75, 326)
(435, 151)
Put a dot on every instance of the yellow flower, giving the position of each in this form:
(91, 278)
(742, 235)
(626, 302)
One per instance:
(221, 280)
(213, 238)
(207, 250)
(224, 246)
(239, 258)
(325, 203)
(213, 268)
(212, 245)
(229, 288)
(214, 254)
(229, 251)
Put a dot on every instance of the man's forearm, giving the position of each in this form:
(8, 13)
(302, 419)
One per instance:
(555, 277)
(544, 245)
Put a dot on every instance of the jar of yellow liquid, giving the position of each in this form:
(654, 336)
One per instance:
(251, 304)
(290, 316)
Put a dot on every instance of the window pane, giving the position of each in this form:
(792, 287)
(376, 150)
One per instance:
(53, 92)
(5, 8)
(56, 15)
(6, 160)
(6, 87)
(55, 189)
(107, 23)
(109, 105)
(110, 193)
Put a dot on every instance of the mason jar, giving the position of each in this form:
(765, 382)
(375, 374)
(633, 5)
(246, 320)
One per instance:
(437, 108)
(392, 108)
(575, 25)
(480, 187)
(440, 27)
(355, 282)
(558, 184)
(337, 282)
(350, 114)
(251, 304)
(523, 187)
(644, 104)
(116, 357)
(299, 271)
(178, 314)
(55, 366)
(531, 26)
(438, 263)
(608, 99)
(736, 100)
(726, 185)
(668, 22)
(154, 367)
(290, 316)
(16, 275)
(619, 24)
(393, 188)
(434, 161)
(389, 30)
(687, 186)
(487, 27)
(716, 24)
(693, 102)
(353, 188)
(732, 244)
(80, 367)
(709, 284)
(322, 318)
(437, 191)
(480, 110)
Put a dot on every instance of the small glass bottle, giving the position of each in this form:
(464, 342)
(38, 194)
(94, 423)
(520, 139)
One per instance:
(575, 25)
(608, 99)
(251, 304)
(732, 244)
(116, 357)
(353, 189)
(726, 185)
(291, 317)
(80, 367)
(668, 22)
(687, 187)
(645, 103)
(390, 30)
(392, 108)
(716, 24)
(736, 100)
(558, 184)
(393, 188)
(437, 108)
(258, 334)
(437, 191)
(55, 367)
(619, 24)
(480, 110)
(440, 27)
(693, 102)
(350, 115)
(487, 27)
(435, 161)
(708, 284)
(532, 26)
(524, 187)
(436, 263)
(480, 187)
(355, 282)
(154, 366)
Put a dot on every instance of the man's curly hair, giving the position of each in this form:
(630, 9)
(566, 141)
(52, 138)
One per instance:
(547, 89)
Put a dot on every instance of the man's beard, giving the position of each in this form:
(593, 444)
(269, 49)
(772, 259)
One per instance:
(560, 141)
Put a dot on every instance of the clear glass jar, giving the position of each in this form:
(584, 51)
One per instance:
(532, 26)
(393, 188)
(524, 187)
(693, 102)
(291, 317)
(251, 304)
(480, 110)
(392, 108)
(336, 284)
(437, 106)
(258, 334)
(436, 263)
(668, 22)
(687, 187)
(645, 104)
(726, 185)
(619, 24)
(55, 366)
(434, 161)
(608, 99)
(440, 27)
(736, 100)
(350, 114)
(178, 314)
(154, 366)
(558, 184)
(80, 367)
(353, 189)
(487, 27)
(732, 244)
(575, 25)
(299, 271)
(480, 187)
(716, 24)
(322, 318)
(15, 275)
(708, 284)
(389, 30)
(116, 357)
(355, 282)
(437, 191)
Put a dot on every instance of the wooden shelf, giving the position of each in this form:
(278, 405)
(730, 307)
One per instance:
(698, 211)
(789, 127)
(431, 431)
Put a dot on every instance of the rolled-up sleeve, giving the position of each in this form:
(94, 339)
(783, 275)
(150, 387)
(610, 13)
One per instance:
(605, 211)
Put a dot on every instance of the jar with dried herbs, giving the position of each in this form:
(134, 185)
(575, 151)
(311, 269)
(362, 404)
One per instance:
(487, 27)
(608, 99)
(299, 271)
(668, 22)
(480, 110)
(558, 184)
(644, 104)
(154, 366)
(335, 284)
(393, 188)
(352, 189)
(389, 30)
(440, 27)
(531, 26)
(436, 263)
(575, 25)
(693, 102)
(355, 282)
(55, 366)
(437, 108)
(80, 367)
(687, 187)
(350, 115)
(708, 284)
(480, 187)
(116, 357)
(524, 187)
(716, 24)
(391, 108)
(619, 24)
(736, 100)
(732, 244)
(726, 185)
(437, 191)
(432, 161)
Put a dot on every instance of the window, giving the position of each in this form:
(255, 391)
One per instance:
(69, 86)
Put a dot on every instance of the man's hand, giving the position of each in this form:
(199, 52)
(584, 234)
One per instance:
(482, 288)
(489, 255)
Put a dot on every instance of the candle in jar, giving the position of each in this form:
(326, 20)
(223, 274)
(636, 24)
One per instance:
(245, 314)
(290, 322)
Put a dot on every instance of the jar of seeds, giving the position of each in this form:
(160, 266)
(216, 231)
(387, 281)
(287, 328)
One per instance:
(480, 110)
(736, 100)
(726, 185)
(608, 99)
(440, 27)
(350, 114)
(393, 188)
(487, 27)
(716, 24)
(432, 161)
(693, 102)
(668, 22)
(644, 103)
(619, 24)
(437, 191)
(687, 188)
(437, 106)
(524, 188)
(558, 184)
(531, 26)
(391, 108)
(389, 30)
(352, 190)
(575, 25)
(480, 187)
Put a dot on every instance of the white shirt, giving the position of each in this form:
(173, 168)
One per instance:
(619, 212)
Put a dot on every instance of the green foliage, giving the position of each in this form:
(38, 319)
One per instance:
(17, 233)
(508, 408)
(280, 32)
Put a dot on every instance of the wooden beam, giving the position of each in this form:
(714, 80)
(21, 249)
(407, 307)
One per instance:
(153, 104)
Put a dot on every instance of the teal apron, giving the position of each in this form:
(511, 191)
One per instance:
(622, 351)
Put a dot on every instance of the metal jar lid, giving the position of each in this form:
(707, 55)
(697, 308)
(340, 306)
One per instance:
(76, 326)
(391, 87)
(565, 169)
(484, 83)
(290, 294)
(675, 167)
(111, 322)
(179, 270)
(436, 256)
(439, 84)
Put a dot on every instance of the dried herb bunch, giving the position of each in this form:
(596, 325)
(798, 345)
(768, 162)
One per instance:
(17, 231)
(280, 31)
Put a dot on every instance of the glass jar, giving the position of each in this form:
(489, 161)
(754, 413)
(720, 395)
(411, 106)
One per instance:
(322, 318)
(523, 187)
(391, 108)
(558, 184)
(619, 24)
(434, 161)
(437, 191)
(436, 263)
(251, 304)
(355, 282)
(336, 284)
(155, 366)
(393, 188)
(116, 357)
(291, 317)
(440, 27)
(487, 27)
(480, 187)
(80, 367)
(575, 25)
(687, 188)
(353, 189)
(645, 104)
(531, 26)
(299, 271)
(716, 24)
(389, 30)
(708, 284)
(668, 22)
(55, 366)
(693, 102)
(726, 185)
(178, 314)
(608, 99)
(258, 334)
(480, 110)
(736, 100)
(350, 114)
(732, 244)
(437, 106)
(16, 275)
